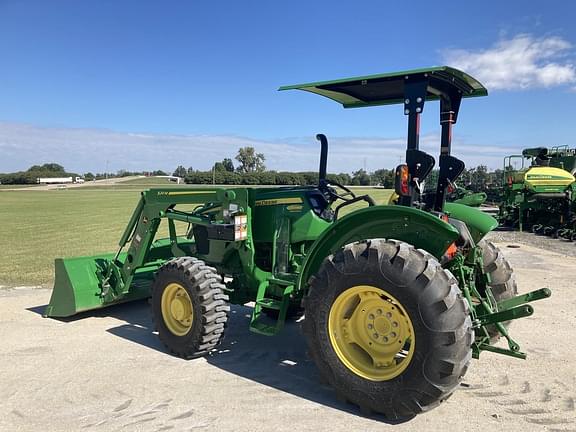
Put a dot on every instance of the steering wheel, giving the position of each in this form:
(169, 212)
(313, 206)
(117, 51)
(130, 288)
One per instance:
(330, 188)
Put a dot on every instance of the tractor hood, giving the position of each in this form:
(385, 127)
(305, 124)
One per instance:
(387, 89)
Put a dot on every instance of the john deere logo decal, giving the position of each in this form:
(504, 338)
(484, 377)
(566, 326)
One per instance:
(279, 201)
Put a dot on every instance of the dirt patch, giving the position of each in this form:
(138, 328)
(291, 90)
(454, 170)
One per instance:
(515, 238)
(106, 370)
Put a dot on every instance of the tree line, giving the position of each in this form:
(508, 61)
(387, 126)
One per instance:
(477, 178)
(250, 169)
(32, 174)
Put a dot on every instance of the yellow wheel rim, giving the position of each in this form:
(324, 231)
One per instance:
(177, 310)
(371, 333)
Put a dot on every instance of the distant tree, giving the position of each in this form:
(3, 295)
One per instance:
(360, 178)
(51, 167)
(384, 177)
(497, 177)
(432, 180)
(190, 170)
(228, 165)
(250, 161)
(180, 171)
(342, 178)
(159, 173)
(481, 176)
(54, 167)
(88, 176)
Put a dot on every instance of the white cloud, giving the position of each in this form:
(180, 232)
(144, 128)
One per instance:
(522, 62)
(83, 150)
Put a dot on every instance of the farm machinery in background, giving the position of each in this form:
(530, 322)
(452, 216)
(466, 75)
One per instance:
(563, 157)
(460, 195)
(538, 192)
(397, 299)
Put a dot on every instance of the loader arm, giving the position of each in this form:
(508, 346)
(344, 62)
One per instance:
(93, 282)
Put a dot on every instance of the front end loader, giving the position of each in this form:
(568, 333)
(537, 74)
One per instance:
(397, 298)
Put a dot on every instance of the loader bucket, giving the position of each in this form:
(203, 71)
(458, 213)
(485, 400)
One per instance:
(78, 287)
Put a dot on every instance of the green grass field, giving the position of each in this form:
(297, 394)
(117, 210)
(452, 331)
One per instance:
(38, 226)
(23, 186)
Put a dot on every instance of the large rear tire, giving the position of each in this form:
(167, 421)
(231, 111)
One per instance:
(502, 281)
(189, 307)
(388, 327)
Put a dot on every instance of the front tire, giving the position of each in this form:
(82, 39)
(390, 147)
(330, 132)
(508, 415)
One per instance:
(189, 307)
(388, 327)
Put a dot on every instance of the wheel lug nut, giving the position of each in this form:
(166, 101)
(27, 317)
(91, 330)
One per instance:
(375, 335)
(388, 315)
(379, 311)
(371, 316)
(392, 335)
(394, 324)
(385, 339)
(370, 326)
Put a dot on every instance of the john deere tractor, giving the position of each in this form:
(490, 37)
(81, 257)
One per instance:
(397, 298)
(465, 196)
(536, 195)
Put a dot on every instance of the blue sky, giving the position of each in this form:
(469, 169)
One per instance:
(150, 84)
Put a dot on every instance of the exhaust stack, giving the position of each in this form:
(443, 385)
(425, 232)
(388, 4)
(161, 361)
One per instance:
(323, 158)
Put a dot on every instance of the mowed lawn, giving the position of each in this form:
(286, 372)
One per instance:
(38, 226)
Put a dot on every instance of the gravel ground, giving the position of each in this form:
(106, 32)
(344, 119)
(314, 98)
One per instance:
(106, 371)
(511, 238)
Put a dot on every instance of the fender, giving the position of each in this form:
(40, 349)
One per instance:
(479, 223)
(418, 228)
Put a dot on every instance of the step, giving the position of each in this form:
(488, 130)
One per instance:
(287, 279)
(270, 303)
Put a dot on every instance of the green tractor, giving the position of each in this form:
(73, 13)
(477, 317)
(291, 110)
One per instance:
(538, 196)
(397, 298)
(460, 195)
